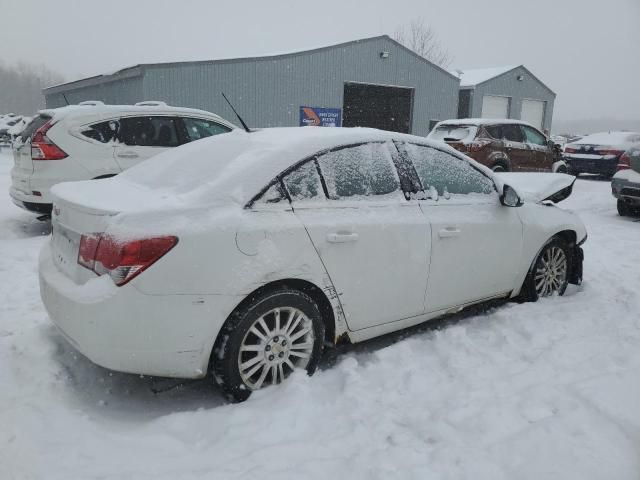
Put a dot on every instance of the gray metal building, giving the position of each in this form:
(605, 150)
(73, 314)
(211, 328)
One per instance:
(505, 92)
(373, 82)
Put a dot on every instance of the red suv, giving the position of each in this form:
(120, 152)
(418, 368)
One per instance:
(502, 145)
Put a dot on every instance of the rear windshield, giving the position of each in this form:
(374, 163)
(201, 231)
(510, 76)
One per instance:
(454, 133)
(34, 125)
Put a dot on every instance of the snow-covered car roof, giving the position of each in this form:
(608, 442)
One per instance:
(610, 138)
(483, 121)
(106, 111)
(233, 167)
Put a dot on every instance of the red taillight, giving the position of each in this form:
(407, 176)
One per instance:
(604, 151)
(570, 150)
(42, 148)
(478, 145)
(123, 260)
(624, 163)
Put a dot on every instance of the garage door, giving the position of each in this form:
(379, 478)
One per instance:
(495, 107)
(532, 112)
(377, 106)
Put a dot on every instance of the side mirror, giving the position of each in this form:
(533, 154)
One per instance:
(510, 197)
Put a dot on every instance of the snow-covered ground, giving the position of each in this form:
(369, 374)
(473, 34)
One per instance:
(535, 391)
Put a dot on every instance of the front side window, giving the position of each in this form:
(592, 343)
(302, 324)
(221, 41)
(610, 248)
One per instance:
(512, 133)
(534, 137)
(447, 174)
(148, 132)
(363, 170)
(304, 183)
(273, 194)
(103, 132)
(197, 128)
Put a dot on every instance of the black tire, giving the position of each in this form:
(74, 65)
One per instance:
(623, 209)
(226, 351)
(562, 169)
(529, 293)
(500, 167)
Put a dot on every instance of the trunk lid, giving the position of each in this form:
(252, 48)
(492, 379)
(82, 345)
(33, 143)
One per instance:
(540, 187)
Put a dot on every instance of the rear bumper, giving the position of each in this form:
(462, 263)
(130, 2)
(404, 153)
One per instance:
(122, 329)
(32, 203)
(626, 190)
(597, 165)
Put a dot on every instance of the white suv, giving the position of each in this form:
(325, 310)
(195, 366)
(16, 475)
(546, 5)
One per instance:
(94, 141)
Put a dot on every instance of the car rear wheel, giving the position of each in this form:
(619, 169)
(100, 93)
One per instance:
(500, 167)
(550, 273)
(264, 342)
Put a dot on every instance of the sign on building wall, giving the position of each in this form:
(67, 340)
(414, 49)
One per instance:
(320, 117)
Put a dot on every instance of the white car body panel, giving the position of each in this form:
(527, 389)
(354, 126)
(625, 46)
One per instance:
(476, 246)
(397, 272)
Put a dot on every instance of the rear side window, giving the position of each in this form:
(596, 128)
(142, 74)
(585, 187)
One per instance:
(34, 125)
(103, 132)
(148, 131)
(304, 183)
(512, 133)
(445, 173)
(363, 170)
(197, 128)
(495, 131)
(533, 136)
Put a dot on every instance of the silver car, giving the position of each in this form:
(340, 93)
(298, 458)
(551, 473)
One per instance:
(625, 185)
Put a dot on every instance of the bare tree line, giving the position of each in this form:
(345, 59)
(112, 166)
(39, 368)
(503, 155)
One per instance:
(423, 40)
(21, 87)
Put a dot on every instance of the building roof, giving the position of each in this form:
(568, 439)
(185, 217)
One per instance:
(138, 70)
(476, 76)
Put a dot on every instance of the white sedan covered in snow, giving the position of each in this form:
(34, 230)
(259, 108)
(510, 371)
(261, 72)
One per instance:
(244, 254)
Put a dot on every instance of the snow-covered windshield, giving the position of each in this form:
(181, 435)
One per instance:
(453, 133)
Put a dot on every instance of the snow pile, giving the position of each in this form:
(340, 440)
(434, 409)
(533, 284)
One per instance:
(531, 391)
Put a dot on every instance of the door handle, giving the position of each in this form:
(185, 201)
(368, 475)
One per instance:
(342, 237)
(449, 232)
(128, 155)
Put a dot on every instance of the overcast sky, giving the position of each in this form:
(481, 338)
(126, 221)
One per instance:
(587, 51)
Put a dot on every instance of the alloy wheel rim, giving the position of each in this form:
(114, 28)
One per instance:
(551, 272)
(277, 343)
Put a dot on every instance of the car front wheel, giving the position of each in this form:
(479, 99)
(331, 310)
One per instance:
(550, 273)
(264, 342)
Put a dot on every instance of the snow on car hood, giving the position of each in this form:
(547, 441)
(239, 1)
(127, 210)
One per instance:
(538, 187)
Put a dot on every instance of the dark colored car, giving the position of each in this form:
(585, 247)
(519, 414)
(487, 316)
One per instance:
(599, 153)
(625, 185)
(502, 145)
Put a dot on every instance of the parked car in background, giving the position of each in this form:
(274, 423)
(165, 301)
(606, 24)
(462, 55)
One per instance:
(7, 122)
(242, 255)
(625, 184)
(501, 145)
(96, 141)
(14, 131)
(599, 153)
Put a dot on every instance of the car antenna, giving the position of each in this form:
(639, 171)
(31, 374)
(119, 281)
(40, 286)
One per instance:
(65, 99)
(237, 114)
